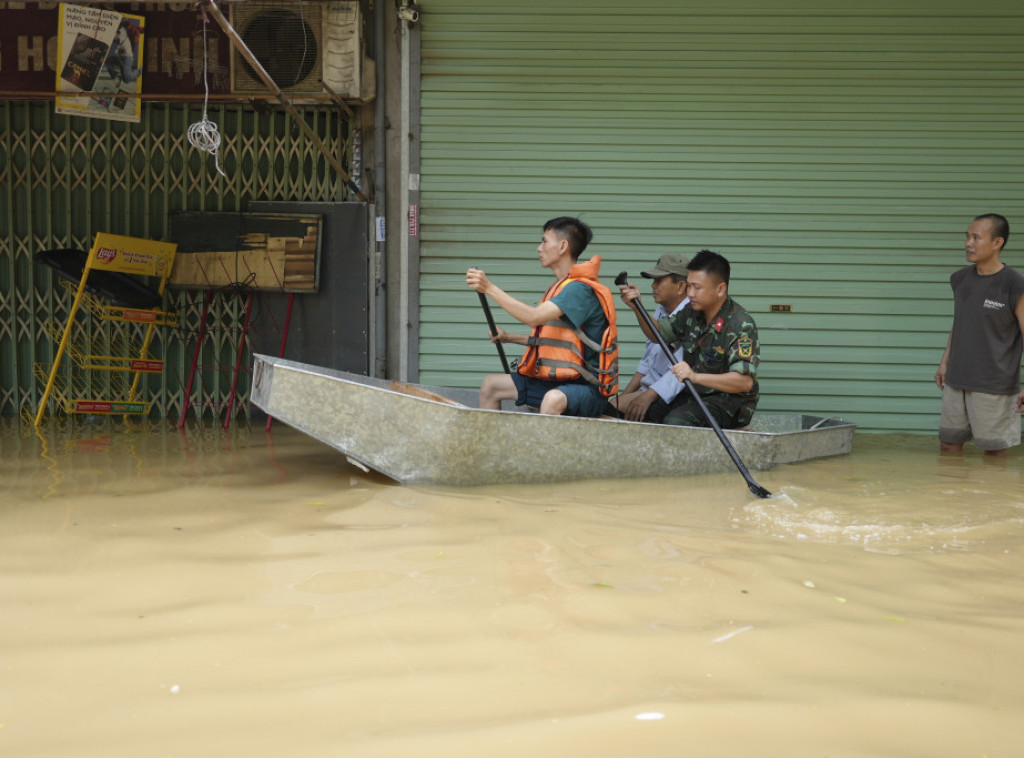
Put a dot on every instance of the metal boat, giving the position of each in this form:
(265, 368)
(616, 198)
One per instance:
(419, 434)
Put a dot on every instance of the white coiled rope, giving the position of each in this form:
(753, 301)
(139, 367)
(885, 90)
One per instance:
(203, 135)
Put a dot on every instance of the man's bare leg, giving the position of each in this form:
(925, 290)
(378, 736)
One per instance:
(494, 389)
(554, 403)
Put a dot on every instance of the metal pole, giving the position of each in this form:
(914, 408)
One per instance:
(238, 360)
(409, 193)
(284, 341)
(378, 279)
(195, 361)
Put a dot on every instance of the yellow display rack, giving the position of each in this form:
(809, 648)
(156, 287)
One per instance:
(107, 312)
(123, 255)
(121, 357)
(72, 394)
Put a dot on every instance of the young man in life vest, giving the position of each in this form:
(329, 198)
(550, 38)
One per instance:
(719, 341)
(571, 362)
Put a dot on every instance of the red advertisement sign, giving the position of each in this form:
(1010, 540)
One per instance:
(92, 406)
(106, 406)
(151, 367)
(138, 316)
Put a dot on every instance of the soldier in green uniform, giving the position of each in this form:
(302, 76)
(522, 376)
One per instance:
(719, 340)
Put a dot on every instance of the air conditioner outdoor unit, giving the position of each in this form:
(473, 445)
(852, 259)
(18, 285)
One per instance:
(302, 45)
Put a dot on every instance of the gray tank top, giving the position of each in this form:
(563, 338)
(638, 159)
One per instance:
(985, 352)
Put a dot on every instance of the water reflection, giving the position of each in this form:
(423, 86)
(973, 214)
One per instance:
(80, 455)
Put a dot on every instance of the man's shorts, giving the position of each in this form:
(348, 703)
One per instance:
(991, 421)
(584, 399)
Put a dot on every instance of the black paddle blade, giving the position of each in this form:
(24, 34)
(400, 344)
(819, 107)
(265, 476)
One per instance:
(757, 489)
(621, 279)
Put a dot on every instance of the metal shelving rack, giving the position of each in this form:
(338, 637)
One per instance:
(127, 358)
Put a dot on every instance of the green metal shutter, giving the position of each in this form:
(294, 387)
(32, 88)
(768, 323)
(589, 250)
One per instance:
(834, 152)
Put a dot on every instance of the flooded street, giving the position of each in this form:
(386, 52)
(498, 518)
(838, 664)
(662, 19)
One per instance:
(202, 594)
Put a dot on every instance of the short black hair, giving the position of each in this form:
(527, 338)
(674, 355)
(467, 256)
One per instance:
(710, 263)
(1000, 226)
(573, 231)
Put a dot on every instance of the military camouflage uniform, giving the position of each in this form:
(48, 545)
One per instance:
(729, 343)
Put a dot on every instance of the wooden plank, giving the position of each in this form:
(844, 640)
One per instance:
(259, 269)
(417, 391)
(262, 251)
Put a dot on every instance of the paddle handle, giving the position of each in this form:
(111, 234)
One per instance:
(755, 488)
(494, 330)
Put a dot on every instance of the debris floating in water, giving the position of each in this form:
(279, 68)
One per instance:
(730, 635)
(650, 716)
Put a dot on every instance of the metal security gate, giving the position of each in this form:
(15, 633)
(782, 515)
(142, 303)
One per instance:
(63, 179)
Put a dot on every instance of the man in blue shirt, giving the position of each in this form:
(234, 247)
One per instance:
(722, 353)
(654, 379)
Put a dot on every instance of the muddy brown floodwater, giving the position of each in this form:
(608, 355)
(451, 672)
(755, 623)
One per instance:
(199, 594)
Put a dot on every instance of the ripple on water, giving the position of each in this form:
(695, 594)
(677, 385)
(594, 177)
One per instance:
(888, 524)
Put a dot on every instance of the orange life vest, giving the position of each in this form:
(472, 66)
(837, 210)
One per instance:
(555, 349)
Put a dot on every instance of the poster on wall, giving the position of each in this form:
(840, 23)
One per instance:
(99, 63)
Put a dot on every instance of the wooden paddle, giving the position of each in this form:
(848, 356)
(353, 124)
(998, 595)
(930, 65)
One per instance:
(756, 488)
(494, 330)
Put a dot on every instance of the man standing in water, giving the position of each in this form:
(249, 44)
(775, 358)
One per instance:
(979, 374)
(571, 361)
(653, 379)
(719, 340)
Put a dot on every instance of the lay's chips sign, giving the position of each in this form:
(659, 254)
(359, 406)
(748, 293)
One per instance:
(131, 255)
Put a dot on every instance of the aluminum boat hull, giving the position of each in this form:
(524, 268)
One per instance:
(418, 435)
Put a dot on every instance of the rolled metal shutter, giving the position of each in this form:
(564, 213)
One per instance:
(834, 152)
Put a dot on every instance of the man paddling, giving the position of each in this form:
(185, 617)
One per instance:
(571, 362)
(719, 341)
(653, 380)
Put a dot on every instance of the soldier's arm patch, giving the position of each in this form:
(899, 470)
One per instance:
(745, 347)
